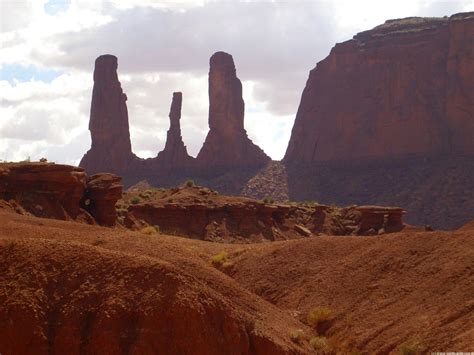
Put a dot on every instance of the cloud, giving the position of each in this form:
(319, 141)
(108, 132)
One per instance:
(164, 47)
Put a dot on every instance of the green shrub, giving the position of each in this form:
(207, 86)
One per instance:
(189, 183)
(320, 344)
(268, 200)
(135, 200)
(220, 259)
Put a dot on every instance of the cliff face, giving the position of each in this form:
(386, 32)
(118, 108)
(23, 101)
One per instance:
(111, 149)
(403, 89)
(227, 144)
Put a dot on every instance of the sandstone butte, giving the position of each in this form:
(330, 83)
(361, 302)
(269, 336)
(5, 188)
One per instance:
(404, 89)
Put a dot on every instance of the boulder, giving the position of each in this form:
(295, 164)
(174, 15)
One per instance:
(101, 194)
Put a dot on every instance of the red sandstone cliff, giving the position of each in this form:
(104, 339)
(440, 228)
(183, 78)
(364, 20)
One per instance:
(227, 144)
(403, 89)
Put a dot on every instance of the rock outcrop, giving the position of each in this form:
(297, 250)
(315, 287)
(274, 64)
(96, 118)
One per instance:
(401, 90)
(214, 217)
(45, 190)
(60, 192)
(101, 194)
(111, 149)
(175, 155)
(227, 144)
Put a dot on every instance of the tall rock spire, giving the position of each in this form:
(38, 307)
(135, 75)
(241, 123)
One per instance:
(227, 144)
(175, 153)
(111, 149)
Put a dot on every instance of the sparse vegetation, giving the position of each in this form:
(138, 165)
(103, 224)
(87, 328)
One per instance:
(320, 318)
(221, 260)
(410, 348)
(189, 183)
(268, 200)
(297, 336)
(150, 230)
(320, 344)
(135, 200)
(146, 194)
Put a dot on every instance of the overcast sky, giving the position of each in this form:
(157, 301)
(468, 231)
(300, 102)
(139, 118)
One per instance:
(48, 48)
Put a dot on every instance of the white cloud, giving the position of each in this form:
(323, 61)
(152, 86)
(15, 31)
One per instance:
(164, 46)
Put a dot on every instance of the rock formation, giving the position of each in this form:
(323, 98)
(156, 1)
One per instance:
(45, 190)
(227, 144)
(60, 192)
(401, 90)
(102, 193)
(111, 149)
(175, 154)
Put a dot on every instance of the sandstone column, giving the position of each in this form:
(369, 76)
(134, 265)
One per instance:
(111, 148)
(227, 145)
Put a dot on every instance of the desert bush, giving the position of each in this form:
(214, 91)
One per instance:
(150, 230)
(297, 336)
(135, 199)
(189, 183)
(320, 344)
(268, 200)
(220, 259)
(410, 348)
(320, 318)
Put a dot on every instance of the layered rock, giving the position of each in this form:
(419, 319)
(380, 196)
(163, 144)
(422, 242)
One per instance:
(227, 145)
(111, 150)
(101, 194)
(401, 90)
(175, 154)
(45, 190)
(60, 191)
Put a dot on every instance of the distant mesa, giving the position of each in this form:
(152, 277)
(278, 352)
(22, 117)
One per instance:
(404, 89)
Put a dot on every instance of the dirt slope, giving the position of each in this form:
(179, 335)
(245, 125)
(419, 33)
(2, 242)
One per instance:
(68, 288)
(384, 291)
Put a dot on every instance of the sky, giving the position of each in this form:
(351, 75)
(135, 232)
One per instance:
(48, 48)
